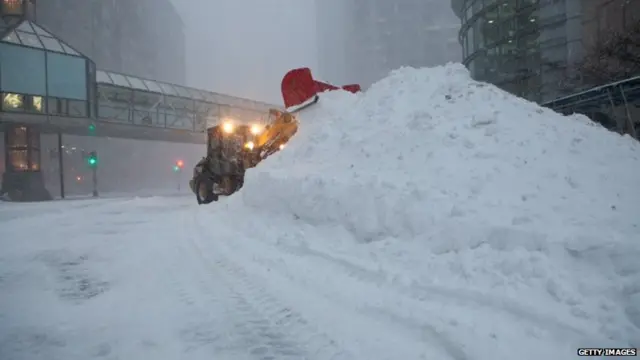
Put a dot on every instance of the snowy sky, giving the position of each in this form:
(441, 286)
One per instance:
(244, 47)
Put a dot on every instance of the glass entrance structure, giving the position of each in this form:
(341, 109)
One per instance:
(41, 74)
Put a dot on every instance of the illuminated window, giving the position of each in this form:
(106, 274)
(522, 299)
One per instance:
(35, 159)
(37, 103)
(12, 102)
(23, 148)
(12, 7)
(19, 160)
(17, 137)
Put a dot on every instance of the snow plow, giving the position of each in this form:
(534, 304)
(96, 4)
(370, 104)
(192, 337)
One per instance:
(232, 147)
(300, 90)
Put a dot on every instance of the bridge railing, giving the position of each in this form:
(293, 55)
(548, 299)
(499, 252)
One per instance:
(616, 105)
(131, 100)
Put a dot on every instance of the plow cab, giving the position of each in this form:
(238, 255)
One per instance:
(221, 171)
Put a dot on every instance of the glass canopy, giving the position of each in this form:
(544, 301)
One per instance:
(136, 83)
(31, 35)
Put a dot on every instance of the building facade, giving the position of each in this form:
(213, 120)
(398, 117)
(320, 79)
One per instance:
(530, 47)
(373, 37)
(140, 37)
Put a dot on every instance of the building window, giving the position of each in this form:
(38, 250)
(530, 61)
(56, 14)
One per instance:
(17, 145)
(13, 102)
(53, 106)
(18, 137)
(37, 103)
(23, 148)
(19, 160)
(34, 161)
(67, 76)
(22, 103)
(77, 108)
(22, 70)
(12, 7)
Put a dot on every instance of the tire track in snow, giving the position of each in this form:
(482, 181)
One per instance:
(433, 292)
(271, 330)
(381, 342)
(200, 321)
(413, 296)
(220, 325)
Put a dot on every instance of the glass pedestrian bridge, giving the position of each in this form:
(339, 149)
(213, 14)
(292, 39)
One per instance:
(46, 82)
(133, 100)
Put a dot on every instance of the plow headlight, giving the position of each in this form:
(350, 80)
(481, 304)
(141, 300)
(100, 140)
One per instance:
(250, 145)
(228, 127)
(256, 129)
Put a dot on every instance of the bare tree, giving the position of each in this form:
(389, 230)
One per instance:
(615, 56)
(612, 58)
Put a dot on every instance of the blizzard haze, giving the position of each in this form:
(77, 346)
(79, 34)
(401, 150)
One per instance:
(363, 41)
(244, 47)
(478, 226)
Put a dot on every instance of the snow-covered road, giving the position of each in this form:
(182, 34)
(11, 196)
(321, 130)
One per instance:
(146, 278)
(159, 278)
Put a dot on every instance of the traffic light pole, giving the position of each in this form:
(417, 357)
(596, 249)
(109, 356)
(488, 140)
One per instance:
(93, 163)
(61, 164)
(95, 181)
(177, 168)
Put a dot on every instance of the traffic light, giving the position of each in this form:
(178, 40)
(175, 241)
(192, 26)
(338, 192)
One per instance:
(92, 160)
(178, 166)
(92, 128)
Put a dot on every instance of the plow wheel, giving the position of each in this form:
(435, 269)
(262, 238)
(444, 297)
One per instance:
(204, 190)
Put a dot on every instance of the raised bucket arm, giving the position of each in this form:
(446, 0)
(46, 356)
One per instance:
(300, 89)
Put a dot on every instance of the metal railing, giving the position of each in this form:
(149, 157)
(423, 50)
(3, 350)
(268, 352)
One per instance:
(617, 103)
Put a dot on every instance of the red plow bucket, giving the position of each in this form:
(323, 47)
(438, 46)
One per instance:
(300, 90)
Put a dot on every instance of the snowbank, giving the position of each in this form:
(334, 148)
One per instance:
(526, 200)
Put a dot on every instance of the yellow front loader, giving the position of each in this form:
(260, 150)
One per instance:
(233, 148)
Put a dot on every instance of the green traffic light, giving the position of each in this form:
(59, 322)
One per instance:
(92, 159)
(176, 168)
(92, 127)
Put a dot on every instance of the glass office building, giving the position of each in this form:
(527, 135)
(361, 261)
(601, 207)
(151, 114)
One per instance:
(524, 46)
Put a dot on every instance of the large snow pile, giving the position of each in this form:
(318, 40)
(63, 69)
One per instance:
(507, 196)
